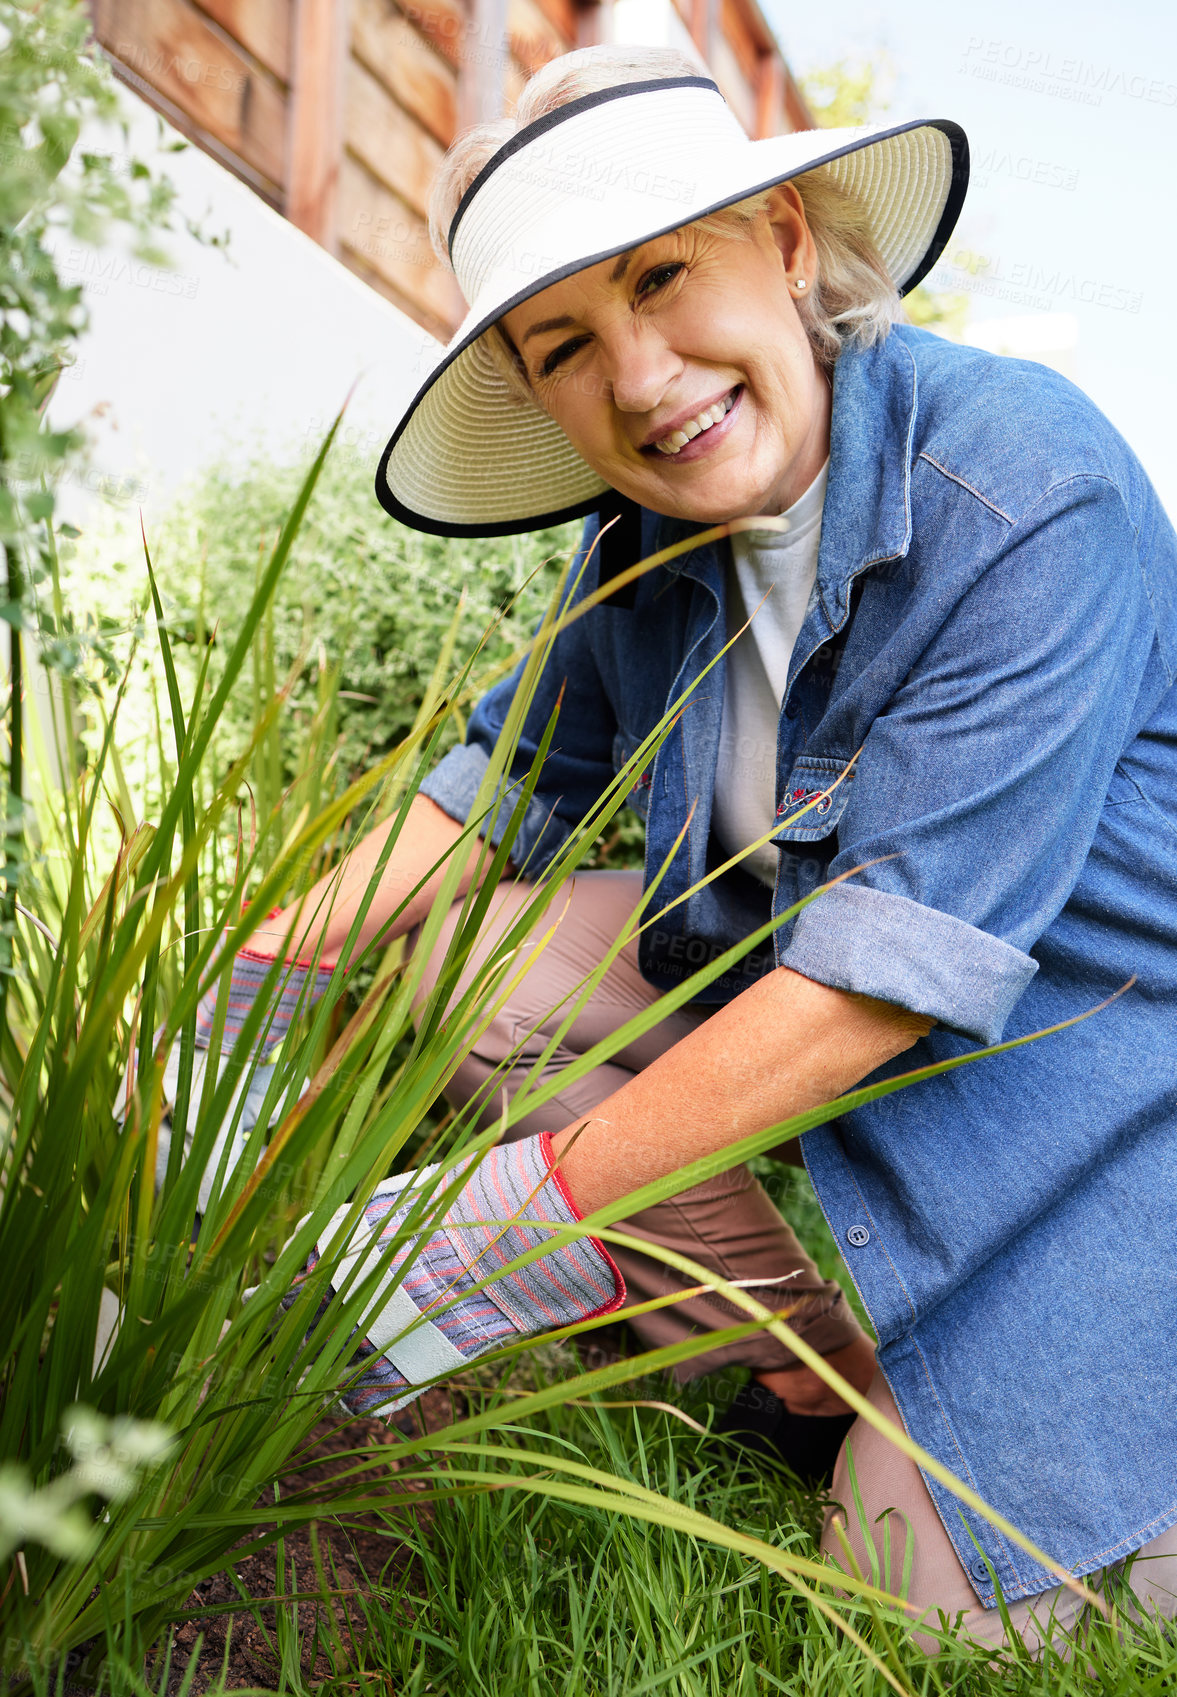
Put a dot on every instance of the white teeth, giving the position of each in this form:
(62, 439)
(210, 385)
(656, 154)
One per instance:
(677, 439)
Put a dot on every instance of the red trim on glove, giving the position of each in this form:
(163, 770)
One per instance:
(545, 1149)
(268, 959)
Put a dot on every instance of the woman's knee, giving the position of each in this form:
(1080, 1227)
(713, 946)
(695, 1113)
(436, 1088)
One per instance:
(882, 1521)
(897, 1529)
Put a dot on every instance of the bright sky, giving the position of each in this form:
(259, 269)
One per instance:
(1071, 114)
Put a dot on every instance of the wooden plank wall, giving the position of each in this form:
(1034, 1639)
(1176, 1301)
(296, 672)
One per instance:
(401, 115)
(221, 73)
(737, 43)
(415, 70)
(338, 112)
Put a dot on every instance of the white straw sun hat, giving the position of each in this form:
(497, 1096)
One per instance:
(589, 180)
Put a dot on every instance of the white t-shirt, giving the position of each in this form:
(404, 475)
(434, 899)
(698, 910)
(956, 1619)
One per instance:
(771, 578)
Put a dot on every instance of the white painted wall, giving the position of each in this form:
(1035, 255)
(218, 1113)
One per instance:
(650, 23)
(260, 345)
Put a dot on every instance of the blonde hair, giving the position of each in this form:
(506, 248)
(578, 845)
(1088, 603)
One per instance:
(851, 301)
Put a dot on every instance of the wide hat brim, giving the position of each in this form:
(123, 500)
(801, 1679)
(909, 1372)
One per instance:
(469, 456)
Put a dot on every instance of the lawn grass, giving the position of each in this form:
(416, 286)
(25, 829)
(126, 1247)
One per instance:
(509, 1595)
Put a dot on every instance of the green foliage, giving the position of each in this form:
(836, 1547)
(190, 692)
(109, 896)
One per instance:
(849, 92)
(107, 1458)
(356, 626)
(51, 84)
(360, 614)
(933, 309)
(510, 1598)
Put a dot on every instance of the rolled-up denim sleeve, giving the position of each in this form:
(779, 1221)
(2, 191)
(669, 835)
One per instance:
(976, 795)
(578, 766)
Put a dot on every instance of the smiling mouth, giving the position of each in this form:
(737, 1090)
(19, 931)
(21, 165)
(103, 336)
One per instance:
(688, 437)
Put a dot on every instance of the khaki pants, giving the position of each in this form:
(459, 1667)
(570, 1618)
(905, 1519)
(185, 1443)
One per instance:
(728, 1225)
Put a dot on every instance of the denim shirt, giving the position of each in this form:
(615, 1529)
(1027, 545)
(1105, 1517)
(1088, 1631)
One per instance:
(988, 663)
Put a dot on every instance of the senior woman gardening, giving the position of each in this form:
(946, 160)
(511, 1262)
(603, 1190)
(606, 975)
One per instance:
(960, 663)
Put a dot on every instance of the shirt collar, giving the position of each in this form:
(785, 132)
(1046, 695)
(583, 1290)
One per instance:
(867, 515)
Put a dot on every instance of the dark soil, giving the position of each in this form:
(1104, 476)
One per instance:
(353, 1559)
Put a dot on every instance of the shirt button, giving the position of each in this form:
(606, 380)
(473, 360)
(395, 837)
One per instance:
(979, 1570)
(791, 710)
(858, 1236)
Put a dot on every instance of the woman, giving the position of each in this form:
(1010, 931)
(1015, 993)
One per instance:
(963, 673)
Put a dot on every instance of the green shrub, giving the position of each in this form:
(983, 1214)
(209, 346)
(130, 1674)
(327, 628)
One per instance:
(363, 598)
(354, 631)
(51, 86)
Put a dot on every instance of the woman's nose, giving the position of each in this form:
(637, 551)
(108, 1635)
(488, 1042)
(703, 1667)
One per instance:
(640, 367)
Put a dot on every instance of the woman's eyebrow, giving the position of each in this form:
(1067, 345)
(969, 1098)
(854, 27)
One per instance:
(547, 324)
(615, 276)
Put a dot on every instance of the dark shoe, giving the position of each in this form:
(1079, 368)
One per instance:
(760, 1425)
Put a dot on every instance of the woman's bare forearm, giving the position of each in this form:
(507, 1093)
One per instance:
(784, 1045)
(328, 910)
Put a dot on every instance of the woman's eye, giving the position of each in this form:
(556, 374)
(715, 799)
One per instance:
(658, 277)
(559, 354)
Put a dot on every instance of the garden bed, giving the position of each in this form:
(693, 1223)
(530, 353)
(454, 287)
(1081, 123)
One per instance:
(352, 1557)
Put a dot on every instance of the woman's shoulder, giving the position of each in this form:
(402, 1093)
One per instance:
(1011, 429)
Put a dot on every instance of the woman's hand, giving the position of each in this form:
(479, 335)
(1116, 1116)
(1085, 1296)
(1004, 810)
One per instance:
(298, 986)
(784, 1045)
(470, 1222)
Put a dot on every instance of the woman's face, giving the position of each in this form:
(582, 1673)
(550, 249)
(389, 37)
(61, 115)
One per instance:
(695, 330)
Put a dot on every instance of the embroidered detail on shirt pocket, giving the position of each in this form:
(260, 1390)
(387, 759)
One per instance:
(639, 796)
(811, 781)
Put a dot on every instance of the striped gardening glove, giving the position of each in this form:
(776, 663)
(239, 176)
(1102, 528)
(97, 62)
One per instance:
(299, 986)
(291, 996)
(576, 1281)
